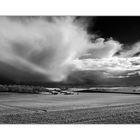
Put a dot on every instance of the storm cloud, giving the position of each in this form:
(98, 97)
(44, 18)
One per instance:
(52, 48)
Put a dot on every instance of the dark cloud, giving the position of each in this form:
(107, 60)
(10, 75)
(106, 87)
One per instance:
(62, 51)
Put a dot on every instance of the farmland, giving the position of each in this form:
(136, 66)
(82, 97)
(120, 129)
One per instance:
(78, 108)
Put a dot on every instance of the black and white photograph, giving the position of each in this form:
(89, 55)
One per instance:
(69, 69)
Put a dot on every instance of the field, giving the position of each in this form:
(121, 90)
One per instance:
(82, 108)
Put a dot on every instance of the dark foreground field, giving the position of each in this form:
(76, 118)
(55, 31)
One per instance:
(124, 114)
(87, 108)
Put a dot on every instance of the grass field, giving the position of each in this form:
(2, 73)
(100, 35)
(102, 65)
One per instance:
(89, 108)
(124, 114)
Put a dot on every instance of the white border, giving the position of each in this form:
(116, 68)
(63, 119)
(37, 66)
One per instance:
(69, 7)
(69, 132)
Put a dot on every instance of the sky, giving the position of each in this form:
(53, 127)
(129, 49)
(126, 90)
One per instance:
(77, 51)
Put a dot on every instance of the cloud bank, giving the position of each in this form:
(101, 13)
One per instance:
(55, 47)
(41, 45)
